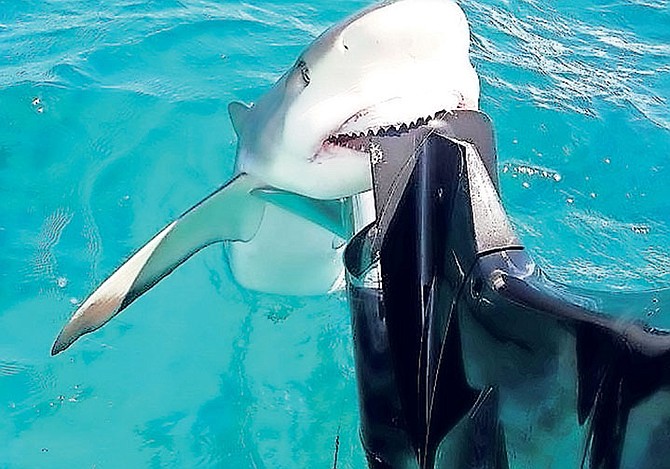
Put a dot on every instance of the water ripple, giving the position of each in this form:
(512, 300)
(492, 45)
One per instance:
(571, 64)
(44, 265)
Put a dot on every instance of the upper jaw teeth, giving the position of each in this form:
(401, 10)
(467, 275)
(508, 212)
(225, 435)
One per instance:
(384, 130)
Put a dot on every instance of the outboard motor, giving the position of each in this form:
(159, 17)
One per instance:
(454, 324)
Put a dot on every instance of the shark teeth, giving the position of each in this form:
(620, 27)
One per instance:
(358, 140)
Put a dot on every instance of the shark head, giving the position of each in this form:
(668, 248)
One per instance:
(388, 69)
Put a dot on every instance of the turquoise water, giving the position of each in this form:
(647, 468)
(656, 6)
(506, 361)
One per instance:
(113, 121)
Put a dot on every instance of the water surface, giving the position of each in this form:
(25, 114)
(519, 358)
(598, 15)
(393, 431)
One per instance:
(114, 121)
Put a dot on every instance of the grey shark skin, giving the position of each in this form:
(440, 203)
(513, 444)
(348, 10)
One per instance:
(302, 156)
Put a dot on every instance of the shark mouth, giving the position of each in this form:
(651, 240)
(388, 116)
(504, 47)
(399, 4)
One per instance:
(360, 141)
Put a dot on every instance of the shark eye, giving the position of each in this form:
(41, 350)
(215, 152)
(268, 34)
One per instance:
(304, 71)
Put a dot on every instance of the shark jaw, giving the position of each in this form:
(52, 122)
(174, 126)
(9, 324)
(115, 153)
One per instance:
(348, 139)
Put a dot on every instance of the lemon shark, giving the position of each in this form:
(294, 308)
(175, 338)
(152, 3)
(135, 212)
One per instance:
(303, 157)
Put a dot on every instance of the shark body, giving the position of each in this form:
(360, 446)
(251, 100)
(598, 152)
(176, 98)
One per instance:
(303, 154)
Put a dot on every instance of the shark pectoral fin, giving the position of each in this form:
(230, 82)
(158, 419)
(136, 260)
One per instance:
(329, 214)
(230, 213)
(239, 112)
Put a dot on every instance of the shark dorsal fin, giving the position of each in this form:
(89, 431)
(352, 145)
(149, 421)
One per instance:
(239, 113)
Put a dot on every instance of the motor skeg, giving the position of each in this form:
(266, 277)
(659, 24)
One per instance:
(412, 381)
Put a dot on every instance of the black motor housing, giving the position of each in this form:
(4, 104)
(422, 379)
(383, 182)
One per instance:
(439, 274)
